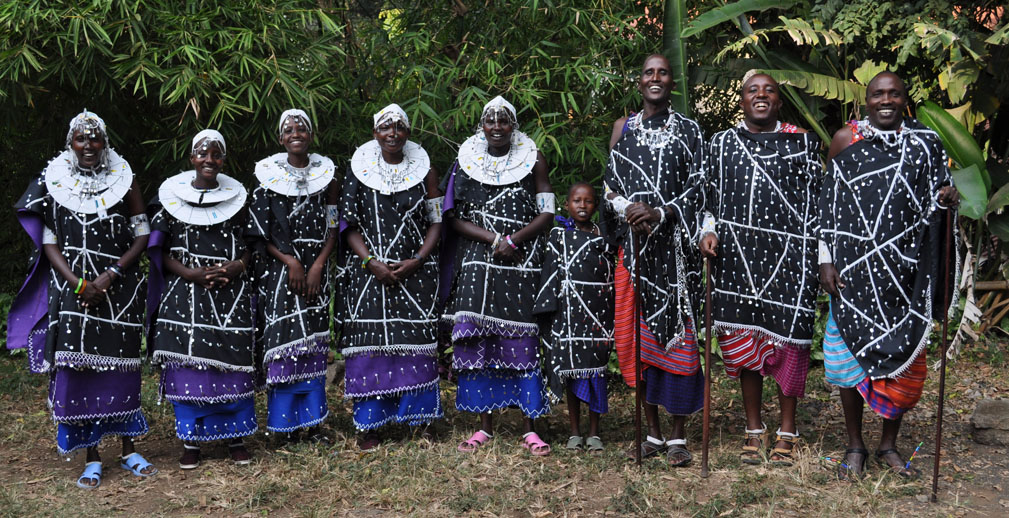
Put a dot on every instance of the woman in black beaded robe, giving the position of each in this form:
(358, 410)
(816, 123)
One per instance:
(203, 336)
(391, 206)
(293, 213)
(83, 322)
(499, 200)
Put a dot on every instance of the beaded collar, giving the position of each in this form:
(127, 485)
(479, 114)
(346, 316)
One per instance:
(654, 138)
(480, 165)
(889, 138)
(201, 206)
(88, 193)
(275, 174)
(373, 171)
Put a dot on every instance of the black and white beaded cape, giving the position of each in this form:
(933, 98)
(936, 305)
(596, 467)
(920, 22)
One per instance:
(108, 335)
(660, 164)
(881, 220)
(576, 297)
(763, 193)
(289, 324)
(379, 319)
(197, 326)
(488, 292)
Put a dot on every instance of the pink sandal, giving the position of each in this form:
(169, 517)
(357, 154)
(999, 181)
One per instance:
(475, 441)
(532, 442)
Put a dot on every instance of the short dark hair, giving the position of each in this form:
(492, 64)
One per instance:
(576, 185)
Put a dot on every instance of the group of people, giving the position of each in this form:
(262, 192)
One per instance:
(237, 297)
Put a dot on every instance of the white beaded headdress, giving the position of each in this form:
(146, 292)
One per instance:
(297, 114)
(391, 113)
(88, 122)
(208, 136)
(497, 105)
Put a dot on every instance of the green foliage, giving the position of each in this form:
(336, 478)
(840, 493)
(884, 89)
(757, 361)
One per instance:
(158, 71)
(729, 12)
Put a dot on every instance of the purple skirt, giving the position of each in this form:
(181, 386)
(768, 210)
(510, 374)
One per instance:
(88, 405)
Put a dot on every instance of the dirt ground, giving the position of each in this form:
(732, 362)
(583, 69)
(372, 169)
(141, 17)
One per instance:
(414, 476)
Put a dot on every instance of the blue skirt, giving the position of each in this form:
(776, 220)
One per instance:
(489, 389)
(414, 408)
(74, 436)
(291, 406)
(215, 421)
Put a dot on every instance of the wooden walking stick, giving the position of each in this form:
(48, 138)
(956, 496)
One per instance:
(705, 431)
(942, 360)
(638, 387)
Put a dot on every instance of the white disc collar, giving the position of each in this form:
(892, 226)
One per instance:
(275, 174)
(480, 165)
(201, 207)
(88, 193)
(373, 171)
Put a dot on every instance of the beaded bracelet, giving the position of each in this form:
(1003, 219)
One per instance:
(511, 243)
(364, 263)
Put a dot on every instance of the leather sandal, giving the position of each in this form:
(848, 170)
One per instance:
(677, 453)
(650, 447)
(783, 456)
(846, 472)
(753, 454)
(905, 471)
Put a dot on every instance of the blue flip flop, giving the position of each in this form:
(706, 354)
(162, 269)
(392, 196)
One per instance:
(92, 470)
(135, 463)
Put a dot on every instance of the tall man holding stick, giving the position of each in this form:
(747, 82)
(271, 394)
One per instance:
(652, 190)
(882, 234)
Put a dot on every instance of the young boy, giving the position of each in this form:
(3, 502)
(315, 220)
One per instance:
(576, 296)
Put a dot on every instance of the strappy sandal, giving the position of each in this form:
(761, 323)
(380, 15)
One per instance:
(93, 471)
(845, 472)
(783, 456)
(478, 439)
(190, 457)
(532, 442)
(594, 444)
(906, 472)
(575, 442)
(650, 447)
(753, 454)
(136, 464)
(677, 449)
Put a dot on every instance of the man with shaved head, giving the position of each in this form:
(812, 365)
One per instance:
(763, 179)
(655, 163)
(882, 232)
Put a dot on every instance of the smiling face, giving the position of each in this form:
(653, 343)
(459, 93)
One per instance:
(207, 160)
(295, 136)
(88, 145)
(581, 204)
(497, 128)
(885, 101)
(391, 136)
(760, 100)
(656, 80)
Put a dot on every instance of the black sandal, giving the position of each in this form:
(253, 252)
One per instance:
(648, 449)
(677, 449)
(906, 471)
(845, 472)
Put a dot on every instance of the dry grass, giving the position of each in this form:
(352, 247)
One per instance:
(410, 476)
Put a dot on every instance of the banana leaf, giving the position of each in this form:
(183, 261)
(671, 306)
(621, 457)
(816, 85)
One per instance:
(973, 193)
(959, 144)
(729, 12)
